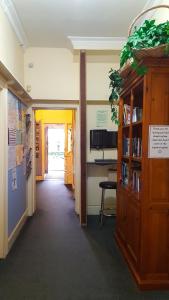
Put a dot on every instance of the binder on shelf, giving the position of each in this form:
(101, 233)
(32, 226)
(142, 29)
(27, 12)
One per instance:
(137, 114)
(126, 114)
(125, 173)
(137, 147)
(136, 182)
(126, 146)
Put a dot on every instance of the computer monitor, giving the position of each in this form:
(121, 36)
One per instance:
(103, 139)
(110, 140)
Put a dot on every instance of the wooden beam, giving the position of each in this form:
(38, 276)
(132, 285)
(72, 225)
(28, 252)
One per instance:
(83, 217)
(54, 101)
(98, 102)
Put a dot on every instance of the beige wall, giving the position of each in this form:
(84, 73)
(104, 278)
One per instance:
(96, 173)
(54, 75)
(11, 53)
(98, 66)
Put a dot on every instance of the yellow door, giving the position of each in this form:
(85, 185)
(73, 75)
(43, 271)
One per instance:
(68, 169)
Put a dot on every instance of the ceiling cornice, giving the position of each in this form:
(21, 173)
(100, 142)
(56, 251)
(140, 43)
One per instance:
(97, 43)
(15, 22)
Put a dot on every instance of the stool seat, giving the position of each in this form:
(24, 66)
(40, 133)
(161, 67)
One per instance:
(107, 212)
(108, 185)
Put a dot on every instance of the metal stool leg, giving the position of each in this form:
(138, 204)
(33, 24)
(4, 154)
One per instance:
(102, 207)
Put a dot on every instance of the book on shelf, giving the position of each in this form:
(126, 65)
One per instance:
(137, 114)
(136, 147)
(126, 146)
(126, 114)
(125, 173)
(136, 180)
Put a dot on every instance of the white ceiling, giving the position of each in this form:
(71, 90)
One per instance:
(48, 23)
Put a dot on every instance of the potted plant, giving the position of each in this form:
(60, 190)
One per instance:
(150, 39)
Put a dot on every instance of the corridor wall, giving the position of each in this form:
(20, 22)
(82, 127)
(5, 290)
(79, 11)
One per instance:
(16, 161)
(11, 51)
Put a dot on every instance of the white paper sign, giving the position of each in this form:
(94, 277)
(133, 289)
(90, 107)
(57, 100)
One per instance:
(158, 141)
(14, 179)
(101, 118)
(11, 157)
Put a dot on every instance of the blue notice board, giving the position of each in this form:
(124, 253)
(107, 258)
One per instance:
(16, 161)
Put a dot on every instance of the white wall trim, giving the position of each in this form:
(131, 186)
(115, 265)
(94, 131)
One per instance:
(2, 82)
(4, 174)
(9, 9)
(17, 230)
(97, 43)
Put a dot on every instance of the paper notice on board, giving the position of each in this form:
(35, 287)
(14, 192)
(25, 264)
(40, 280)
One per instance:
(11, 113)
(11, 157)
(18, 137)
(14, 179)
(11, 136)
(101, 118)
(19, 154)
(158, 141)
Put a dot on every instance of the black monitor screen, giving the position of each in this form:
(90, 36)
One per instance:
(102, 139)
(110, 139)
(97, 138)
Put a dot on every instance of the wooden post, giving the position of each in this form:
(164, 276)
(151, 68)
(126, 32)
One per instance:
(83, 218)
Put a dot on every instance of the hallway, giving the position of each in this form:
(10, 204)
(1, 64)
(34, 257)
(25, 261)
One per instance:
(55, 259)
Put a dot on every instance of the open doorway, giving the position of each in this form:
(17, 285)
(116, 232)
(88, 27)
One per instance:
(55, 134)
(54, 159)
(40, 118)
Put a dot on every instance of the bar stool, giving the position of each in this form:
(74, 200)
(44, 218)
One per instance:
(106, 185)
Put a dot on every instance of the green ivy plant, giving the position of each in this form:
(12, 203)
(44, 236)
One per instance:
(116, 86)
(148, 35)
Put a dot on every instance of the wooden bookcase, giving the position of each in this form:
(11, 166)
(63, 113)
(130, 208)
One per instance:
(38, 150)
(142, 229)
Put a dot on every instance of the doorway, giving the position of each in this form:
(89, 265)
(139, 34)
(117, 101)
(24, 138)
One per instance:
(55, 135)
(54, 158)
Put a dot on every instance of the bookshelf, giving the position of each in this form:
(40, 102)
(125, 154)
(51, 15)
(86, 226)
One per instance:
(142, 226)
(38, 150)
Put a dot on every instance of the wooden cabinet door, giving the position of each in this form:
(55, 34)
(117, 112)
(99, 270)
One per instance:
(122, 213)
(133, 232)
(155, 253)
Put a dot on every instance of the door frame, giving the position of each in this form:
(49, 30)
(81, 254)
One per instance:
(47, 126)
(46, 148)
(32, 178)
(4, 173)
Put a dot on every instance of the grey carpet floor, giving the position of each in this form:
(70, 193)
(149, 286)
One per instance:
(55, 259)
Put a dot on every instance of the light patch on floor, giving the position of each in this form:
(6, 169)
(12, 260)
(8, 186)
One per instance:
(55, 175)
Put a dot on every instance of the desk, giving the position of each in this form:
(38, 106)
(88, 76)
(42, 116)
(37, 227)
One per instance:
(99, 170)
(104, 162)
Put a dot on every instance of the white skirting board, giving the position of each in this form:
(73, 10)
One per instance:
(17, 230)
(95, 209)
